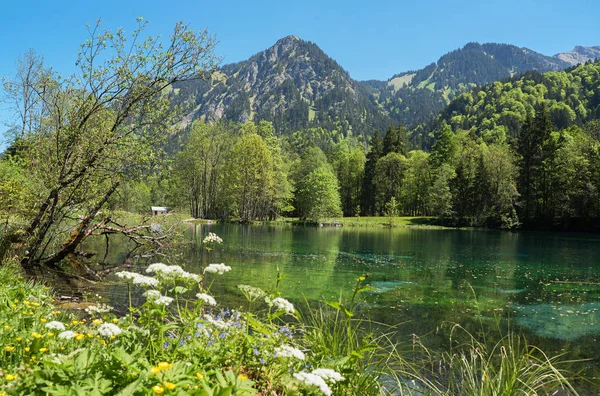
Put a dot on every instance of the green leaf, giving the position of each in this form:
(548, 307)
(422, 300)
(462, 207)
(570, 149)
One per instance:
(340, 307)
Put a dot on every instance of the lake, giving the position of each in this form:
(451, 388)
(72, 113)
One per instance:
(546, 284)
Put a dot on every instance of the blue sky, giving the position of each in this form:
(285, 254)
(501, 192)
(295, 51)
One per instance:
(370, 39)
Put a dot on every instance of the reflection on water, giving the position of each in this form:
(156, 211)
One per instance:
(549, 283)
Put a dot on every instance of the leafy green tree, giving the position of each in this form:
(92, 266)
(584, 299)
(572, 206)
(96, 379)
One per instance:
(250, 178)
(349, 165)
(368, 197)
(389, 179)
(199, 168)
(417, 184)
(498, 201)
(391, 211)
(318, 195)
(440, 199)
(465, 194)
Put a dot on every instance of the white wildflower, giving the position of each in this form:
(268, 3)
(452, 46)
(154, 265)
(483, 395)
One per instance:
(217, 268)
(109, 330)
(102, 308)
(313, 380)
(195, 277)
(67, 335)
(283, 304)
(169, 272)
(129, 276)
(206, 298)
(55, 325)
(156, 267)
(328, 374)
(252, 293)
(143, 280)
(137, 279)
(288, 351)
(212, 238)
(152, 295)
(163, 300)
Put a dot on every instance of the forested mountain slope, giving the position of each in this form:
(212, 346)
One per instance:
(498, 110)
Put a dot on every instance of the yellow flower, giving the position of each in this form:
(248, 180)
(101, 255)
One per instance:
(35, 304)
(43, 320)
(56, 312)
(33, 357)
(170, 385)
(97, 321)
(83, 321)
(10, 377)
(112, 337)
(51, 334)
(89, 335)
(27, 349)
(200, 376)
(243, 377)
(158, 389)
(16, 301)
(2, 393)
(19, 339)
(6, 327)
(75, 322)
(79, 336)
(42, 350)
(37, 335)
(154, 370)
(13, 306)
(30, 312)
(9, 348)
(164, 365)
(115, 320)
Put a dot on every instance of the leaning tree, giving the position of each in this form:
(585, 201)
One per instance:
(97, 128)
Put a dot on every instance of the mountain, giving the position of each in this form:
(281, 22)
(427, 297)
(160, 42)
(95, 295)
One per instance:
(293, 84)
(414, 97)
(579, 55)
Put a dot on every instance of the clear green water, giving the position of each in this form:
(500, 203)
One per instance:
(426, 280)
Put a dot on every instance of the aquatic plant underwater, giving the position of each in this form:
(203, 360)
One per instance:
(180, 341)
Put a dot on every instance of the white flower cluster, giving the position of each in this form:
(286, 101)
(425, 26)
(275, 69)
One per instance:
(206, 298)
(109, 330)
(217, 269)
(212, 238)
(328, 375)
(102, 308)
(313, 380)
(283, 304)
(67, 335)
(55, 325)
(152, 295)
(290, 352)
(171, 272)
(138, 279)
(163, 300)
(252, 292)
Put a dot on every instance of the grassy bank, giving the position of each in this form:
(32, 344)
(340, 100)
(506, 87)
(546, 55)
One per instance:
(370, 221)
(181, 341)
